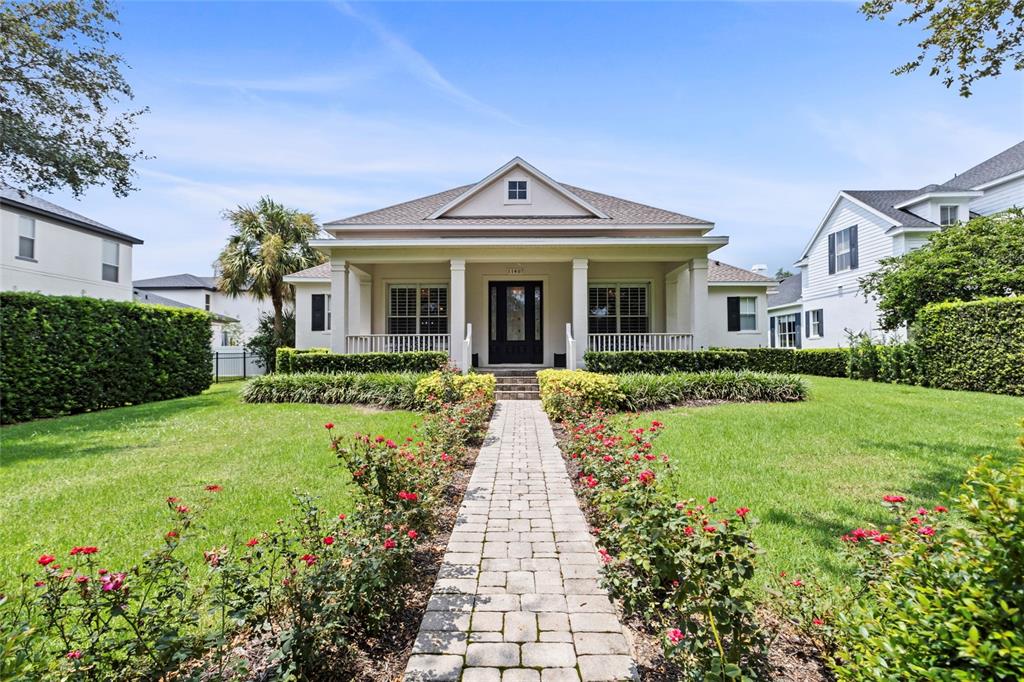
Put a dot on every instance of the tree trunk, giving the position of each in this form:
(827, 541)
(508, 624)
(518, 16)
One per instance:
(278, 316)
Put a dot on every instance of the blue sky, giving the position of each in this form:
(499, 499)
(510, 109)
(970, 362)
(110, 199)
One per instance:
(751, 115)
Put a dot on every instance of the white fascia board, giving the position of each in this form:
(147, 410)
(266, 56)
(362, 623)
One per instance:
(782, 306)
(767, 285)
(999, 181)
(306, 280)
(935, 195)
(363, 227)
(519, 241)
(902, 229)
(828, 214)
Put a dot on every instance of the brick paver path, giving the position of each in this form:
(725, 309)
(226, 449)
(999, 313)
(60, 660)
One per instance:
(517, 598)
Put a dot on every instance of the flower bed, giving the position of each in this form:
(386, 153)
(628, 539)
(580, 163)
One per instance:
(291, 602)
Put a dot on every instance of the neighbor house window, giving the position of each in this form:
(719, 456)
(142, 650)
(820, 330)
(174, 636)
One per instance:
(111, 263)
(787, 330)
(842, 250)
(26, 237)
(321, 315)
(815, 323)
(741, 313)
(224, 338)
(949, 215)
(517, 190)
(208, 304)
(418, 309)
(618, 309)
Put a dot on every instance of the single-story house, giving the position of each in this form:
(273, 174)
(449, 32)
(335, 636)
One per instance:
(519, 269)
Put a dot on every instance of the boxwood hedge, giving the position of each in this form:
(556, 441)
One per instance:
(320, 360)
(830, 362)
(382, 389)
(66, 354)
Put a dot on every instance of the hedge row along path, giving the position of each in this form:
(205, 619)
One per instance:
(517, 598)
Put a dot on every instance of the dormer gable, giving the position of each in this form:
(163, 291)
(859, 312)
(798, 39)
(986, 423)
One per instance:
(519, 190)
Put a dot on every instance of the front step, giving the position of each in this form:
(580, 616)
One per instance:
(516, 384)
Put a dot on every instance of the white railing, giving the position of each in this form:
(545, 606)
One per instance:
(621, 342)
(397, 343)
(467, 349)
(570, 347)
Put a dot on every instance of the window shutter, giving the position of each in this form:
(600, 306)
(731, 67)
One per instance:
(796, 321)
(832, 254)
(807, 324)
(318, 317)
(771, 323)
(821, 322)
(853, 248)
(733, 313)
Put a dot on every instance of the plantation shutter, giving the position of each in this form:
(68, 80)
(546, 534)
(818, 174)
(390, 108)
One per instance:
(796, 328)
(771, 322)
(853, 247)
(807, 324)
(318, 315)
(733, 313)
(832, 254)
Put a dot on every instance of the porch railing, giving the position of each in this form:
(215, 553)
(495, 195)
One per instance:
(397, 343)
(623, 342)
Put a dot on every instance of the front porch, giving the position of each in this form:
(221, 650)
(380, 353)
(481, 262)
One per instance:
(506, 313)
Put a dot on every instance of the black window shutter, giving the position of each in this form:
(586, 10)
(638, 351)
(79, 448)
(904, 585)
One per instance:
(821, 322)
(733, 313)
(318, 317)
(807, 324)
(853, 248)
(796, 320)
(832, 254)
(771, 323)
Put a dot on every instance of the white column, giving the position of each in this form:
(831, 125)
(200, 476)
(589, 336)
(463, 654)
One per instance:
(457, 312)
(677, 300)
(579, 307)
(699, 302)
(339, 307)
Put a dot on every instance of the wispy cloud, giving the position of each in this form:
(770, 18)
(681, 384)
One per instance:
(305, 84)
(419, 66)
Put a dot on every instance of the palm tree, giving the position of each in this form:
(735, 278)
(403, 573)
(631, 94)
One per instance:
(270, 241)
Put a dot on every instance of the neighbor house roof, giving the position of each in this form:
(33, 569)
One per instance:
(317, 272)
(183, 281)
(156, 299)
(1004, 163)
(619, 212)
(48, 209)
(886, 200)
(790, 290)
(723, 272)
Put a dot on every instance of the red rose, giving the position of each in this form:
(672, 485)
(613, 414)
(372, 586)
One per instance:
(742, 512)
(329, 540)
(309, 559)
(818, 621)
(252, 542)
(74, 655)
(797, 583)
(942, 510)
(675, 635)
(390, 544)
(46, 560)
(712, 499)
(213, 488)
(927, 530)
(329, 426)
(894, 499)
(413, 534)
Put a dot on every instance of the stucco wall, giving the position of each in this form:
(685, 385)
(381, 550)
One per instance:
(718, 333)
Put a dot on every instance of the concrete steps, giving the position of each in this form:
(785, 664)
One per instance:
(515, 384)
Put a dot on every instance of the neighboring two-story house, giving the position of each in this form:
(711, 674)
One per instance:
(48, 249)
(819, 306)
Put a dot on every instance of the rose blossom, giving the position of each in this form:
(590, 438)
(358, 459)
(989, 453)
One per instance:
(675, 635)
(742, 512)
(390, 544)
(894, 499)
(413, 534)
(329, 425)
(46, 560)
(712, 499)
(213, 488)
(329, 540)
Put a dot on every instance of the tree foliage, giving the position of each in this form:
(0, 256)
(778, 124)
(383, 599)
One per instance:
(265, 341)
(270, 242)
(968, 39)
(61, 98)
(965, 262)
(782, 273)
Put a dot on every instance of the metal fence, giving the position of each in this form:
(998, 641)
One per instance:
(234, 362)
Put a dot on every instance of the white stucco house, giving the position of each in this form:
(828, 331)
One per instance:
(817, 307)
(48, 249)
(201, 292)
(518, 269)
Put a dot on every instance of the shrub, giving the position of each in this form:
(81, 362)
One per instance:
(769, 359)
(67, 354)
(265, 342)
(563, 391)
(649, 391)
(284, 355)
(662, 362)
(466, 385)
(822, 362)
(973, 346)
(396, 390)
(325, 362)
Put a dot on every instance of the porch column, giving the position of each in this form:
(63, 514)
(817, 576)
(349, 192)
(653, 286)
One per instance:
(677, 300)
(579, 307)
(339, 306)
(457, 313)
(699, 323)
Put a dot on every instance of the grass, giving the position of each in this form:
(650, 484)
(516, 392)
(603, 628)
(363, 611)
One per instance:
(811, 471)
(102, 478)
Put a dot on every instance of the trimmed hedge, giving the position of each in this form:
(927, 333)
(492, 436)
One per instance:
(467, 385)
(67, 354)
(973, 346)
(320, 360)
(662, 361)
(395, 390)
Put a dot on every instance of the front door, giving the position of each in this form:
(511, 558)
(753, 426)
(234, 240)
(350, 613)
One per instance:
(515, 323)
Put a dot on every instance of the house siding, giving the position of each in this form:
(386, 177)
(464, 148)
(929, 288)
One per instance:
(1000, 198)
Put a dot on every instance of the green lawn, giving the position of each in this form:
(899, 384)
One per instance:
(102, 478)
(811, 471)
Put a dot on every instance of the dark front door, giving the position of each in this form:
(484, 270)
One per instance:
(515, 323)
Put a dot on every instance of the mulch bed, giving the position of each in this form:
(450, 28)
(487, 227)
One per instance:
(792, 658)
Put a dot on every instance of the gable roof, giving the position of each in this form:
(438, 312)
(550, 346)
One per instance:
(48, 209)
(1006, 162)
(317, 272)
(723, 272)
(418, 212)
(790, 291)
(182, 281)
(885, 201)
(155, 299)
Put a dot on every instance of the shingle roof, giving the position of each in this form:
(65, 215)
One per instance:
(182, 281)
(150, 298)
(29, 202)
(723, 272)
(619, 211)
(322, 271)
(884, 200)
(1002, 164)
(790, 290)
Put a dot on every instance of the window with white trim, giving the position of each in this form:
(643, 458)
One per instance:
(417, 309)
(844, 258)
(206, 302)
(517, 190)
(618, 308)
(949, 215)
(748, 313)
(816, 326)
(320, 319)
(111, 261)
(787, 330)
(26, 237)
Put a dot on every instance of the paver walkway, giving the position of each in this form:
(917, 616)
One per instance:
(517, 598)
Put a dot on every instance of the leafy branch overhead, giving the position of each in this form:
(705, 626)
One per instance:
(62, 98)
(967, 40)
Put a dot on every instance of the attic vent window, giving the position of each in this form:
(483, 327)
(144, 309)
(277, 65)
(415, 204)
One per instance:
(517, 190)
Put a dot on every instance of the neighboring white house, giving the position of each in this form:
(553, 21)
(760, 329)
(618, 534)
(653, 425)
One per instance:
(50, 250)
(521, 269)
(201, 292)
(817, 307)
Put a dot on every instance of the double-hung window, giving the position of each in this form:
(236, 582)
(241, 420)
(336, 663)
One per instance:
(111, 262)
(321, 315)
(417, 309)
(207, 304)
(843, 249)
(787, 330)
(949, 215)
(26, 237)
(815, 323)
(741, 313)
(618, 309)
